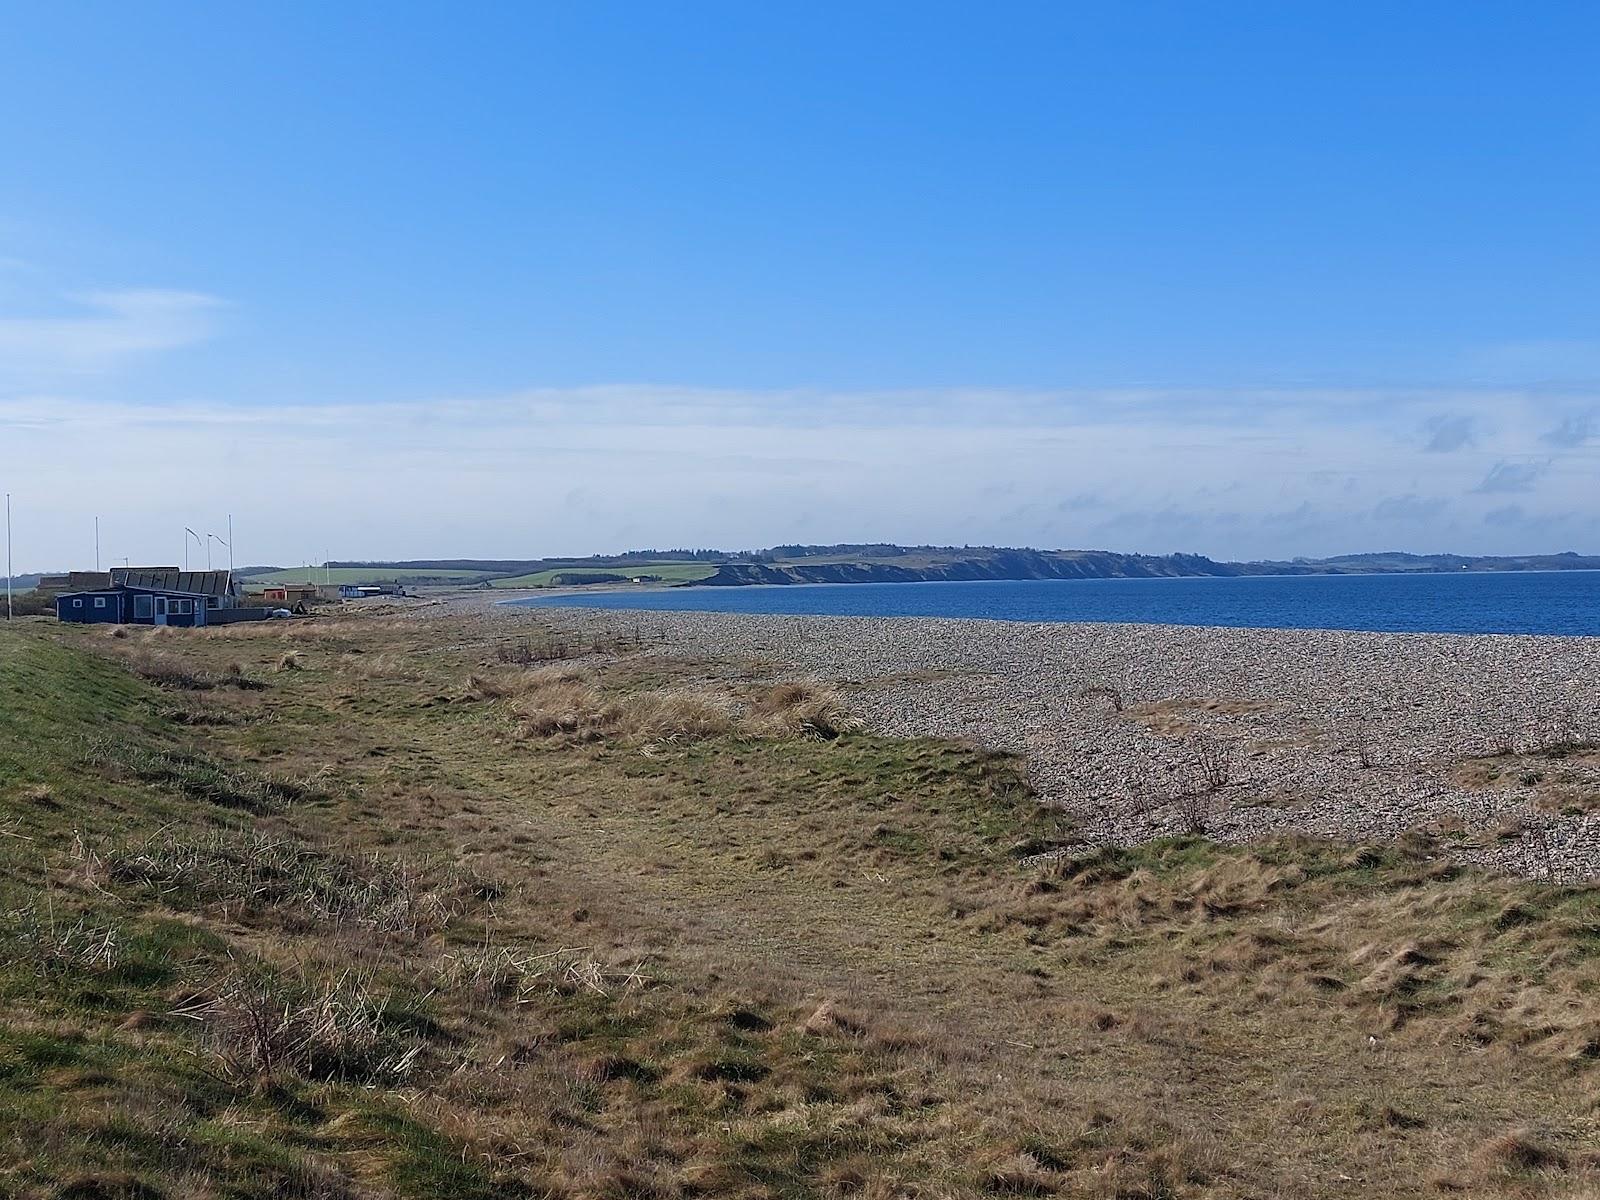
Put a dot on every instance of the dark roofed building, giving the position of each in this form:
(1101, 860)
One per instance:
(216, 586)
(74, 581)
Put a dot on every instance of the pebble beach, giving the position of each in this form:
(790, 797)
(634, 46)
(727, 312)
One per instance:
(1487, 744)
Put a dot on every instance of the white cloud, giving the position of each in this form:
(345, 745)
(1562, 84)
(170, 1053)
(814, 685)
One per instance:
(555, 471)
(103, 329)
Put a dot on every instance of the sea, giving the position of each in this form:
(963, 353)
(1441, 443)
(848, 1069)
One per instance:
(1527, 602)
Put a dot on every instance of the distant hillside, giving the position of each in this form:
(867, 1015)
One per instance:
(926, 563)
(794, 564)
(1398, 561)
(887, 563)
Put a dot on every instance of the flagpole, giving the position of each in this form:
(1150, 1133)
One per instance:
(8, 556)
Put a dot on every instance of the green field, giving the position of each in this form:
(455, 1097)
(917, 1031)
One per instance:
(669, 572)
(335, 575)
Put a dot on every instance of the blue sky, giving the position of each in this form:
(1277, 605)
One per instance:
(1245, 279)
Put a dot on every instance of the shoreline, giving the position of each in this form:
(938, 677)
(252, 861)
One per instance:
(1022, 622)
(1420, 604)
(1485, 742)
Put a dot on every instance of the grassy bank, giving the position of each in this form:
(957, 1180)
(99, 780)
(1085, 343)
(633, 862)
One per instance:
(366, 906)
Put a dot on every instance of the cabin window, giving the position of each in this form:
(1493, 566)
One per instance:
(99, 601)
(142, 606)
(77, 604)
(182, 607)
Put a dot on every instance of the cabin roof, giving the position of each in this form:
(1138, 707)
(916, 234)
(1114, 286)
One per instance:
(194, 583)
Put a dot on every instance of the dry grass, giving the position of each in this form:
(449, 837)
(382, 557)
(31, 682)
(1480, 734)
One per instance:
(1563, 777)
(743, 956)
(572, 703)
(507, 974)
(166, 671)
(310, 886)
(54, 941)
(260, 1025)
(1410, 947)
(801, 709)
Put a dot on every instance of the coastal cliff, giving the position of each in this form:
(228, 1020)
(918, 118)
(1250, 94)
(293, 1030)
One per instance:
(999, 564)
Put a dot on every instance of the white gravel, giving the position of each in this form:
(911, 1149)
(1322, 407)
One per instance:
(1356, 736)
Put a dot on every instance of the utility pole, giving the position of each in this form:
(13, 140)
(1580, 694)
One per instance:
(97, 545)
(230, 547)
(8, 556)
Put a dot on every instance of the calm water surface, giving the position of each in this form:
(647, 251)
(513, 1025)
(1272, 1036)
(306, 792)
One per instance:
(1559, 602)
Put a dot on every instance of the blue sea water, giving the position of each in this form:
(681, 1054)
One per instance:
(1551, 602)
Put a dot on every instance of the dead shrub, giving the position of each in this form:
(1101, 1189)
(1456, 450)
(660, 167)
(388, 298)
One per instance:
(1211, 763)
(260, 1024)
(291, 660)
(1197, 810)
(1210, 771)
(1361, 740)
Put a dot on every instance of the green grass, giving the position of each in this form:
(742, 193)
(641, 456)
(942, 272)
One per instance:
(669, 572)
(366, 575)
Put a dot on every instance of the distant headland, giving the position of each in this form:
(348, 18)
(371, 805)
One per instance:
(883, 563)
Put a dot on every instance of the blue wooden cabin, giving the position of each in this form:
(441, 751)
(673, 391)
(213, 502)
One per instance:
(153, 596)
(128, 605)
